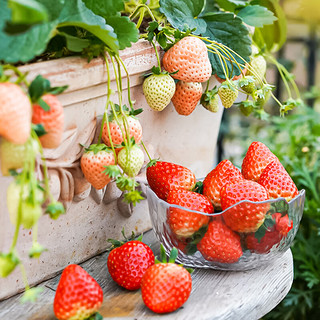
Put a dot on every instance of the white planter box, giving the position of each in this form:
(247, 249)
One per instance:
(89, 222)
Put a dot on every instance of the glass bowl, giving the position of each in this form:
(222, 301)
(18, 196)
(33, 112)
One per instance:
(270, 241)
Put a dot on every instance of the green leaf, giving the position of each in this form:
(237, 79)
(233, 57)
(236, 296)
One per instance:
(257, 16)
(125, 30)
(231, 5)
(75, 13)
(184, 13)
(229, 30)
(39, 129)
(75, 44)
(27, 12)
(271, 36)
(38, 87)
(31, 295)
(105, 8)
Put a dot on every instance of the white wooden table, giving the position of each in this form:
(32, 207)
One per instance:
(215, 294)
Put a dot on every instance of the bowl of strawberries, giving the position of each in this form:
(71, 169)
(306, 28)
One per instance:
(230, 220)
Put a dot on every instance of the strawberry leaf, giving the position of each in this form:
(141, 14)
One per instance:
(228, 29)
(257, 16)
(184, 14)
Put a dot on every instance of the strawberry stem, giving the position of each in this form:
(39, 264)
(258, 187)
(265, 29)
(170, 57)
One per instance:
(145, 149)
(157, 54)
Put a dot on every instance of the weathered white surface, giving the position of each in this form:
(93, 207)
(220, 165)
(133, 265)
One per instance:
(215, 295)
(83, 231)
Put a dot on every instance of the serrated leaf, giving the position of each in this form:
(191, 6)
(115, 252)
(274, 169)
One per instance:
(231, 5)
(105, 8)
(181, 13)
(257, 16)
(75, 13)
(229, 30)
(271, 36)
(27, 12)
(125, 30)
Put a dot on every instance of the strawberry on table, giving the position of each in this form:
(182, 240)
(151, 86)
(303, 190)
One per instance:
(15, 113)
(245, 217)
(185, 223)
(158, 90)
(134, 128)
(166, 176)
(78, 295)
(128, 262)
(220, 243)
(224, 172)
(258, 156)
(271, 235)
(166, 286)
(93, 162)
(277, 182)
(186, 97)
(189, 57)
(52, 121)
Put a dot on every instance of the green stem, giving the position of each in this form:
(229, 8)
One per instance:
(157, 54)
(128, 81)
(35, 233)
(145, 149)
(21, 76)
(24, 276)
(145, 8)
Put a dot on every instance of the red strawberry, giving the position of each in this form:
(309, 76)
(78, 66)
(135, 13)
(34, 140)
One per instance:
(166, 176)
(93, 163)
(258, 156)
(189, 57)
(272, 235)
(186, 97)
(128, 263)
(220, 243)
(52, 120)
(134, 129)
(15, 113)
(165, 287)
(244, 217)
(277, 182)
(78, 295)
(185, 223)
(224, 172)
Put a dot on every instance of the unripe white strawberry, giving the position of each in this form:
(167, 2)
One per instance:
(228, 94)
(158, 90)
(131, 160)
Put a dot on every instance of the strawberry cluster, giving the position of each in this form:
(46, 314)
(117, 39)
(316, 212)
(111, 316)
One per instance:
(187, 62)
(247, 220)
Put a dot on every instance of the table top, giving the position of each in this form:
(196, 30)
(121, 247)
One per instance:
(215, 294)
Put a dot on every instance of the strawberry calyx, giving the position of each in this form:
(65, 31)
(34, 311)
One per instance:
(31, 295)
(55, 209)
(36, 250)
(231, 84)
(120, 113)
(117, 243)
(191, 247)
(268, 223)
(172, 257)
(198, 187)
(8, 262)
(95, 316)
(95, 148)
(152, 162)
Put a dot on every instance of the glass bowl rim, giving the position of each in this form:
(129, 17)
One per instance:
(301, 194)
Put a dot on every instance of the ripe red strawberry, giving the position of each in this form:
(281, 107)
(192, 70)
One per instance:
(189, 57)
(185, 223)
(258, 156)
(186, 97)
(128, 263)
(78, 295)
(134, 128)
(15, 113)
(166, 176)
(244, 217)
(52, 120)
(224, 172)
(277, 182)
(93, 163)
(272, 236)
(220, 243)
(165, 287)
